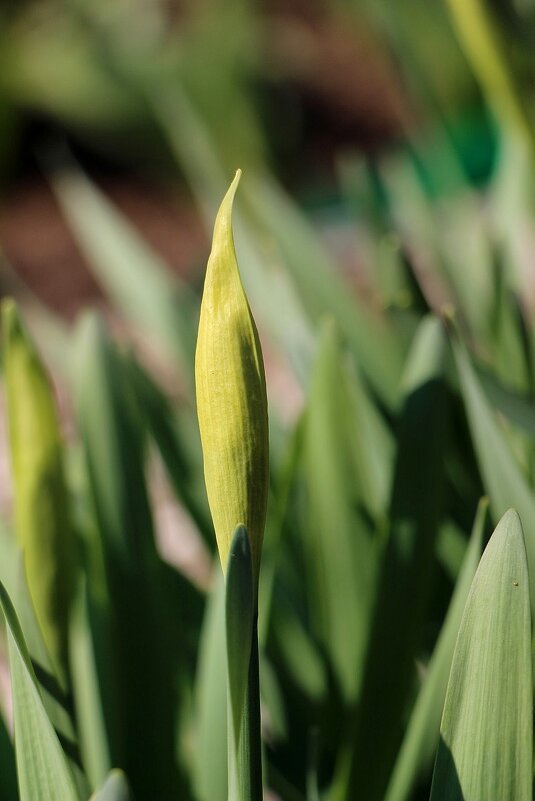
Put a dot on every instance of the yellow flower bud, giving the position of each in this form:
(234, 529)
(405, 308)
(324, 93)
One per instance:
(231, 396)
(41, 516)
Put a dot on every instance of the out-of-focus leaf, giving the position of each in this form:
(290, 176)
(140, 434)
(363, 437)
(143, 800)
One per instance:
(115, 788)
(372, 338)
(87, 694)
(183, 468)
(41, 506)
(422, 735)
(272, 294)
(507, 343)
(130, 272)
(403, 594)
(301, 657)
(480, 38)
(8, 772)
(276, 524)
(432, 246)
(451, 549)
(52, 66)
(504, 482)
(487, 726)
(42, 768)
(516, 408)
(145, 653)
(340, 551)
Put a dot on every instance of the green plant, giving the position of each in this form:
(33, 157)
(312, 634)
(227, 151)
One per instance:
(364, 572)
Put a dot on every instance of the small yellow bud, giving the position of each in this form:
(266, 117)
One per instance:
(231, 396)
(41, 515)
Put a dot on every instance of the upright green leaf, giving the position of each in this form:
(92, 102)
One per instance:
(87, 692)
(210, 772)
(41, 504)
(239, 615)
(142, 637)
(487, 725)
(245, 763)
(42, 768)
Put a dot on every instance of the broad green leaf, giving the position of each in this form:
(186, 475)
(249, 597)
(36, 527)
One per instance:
(41, 505)
(115, 788)
(421, 738)
(42, 768)
(487, 726)
(403, 593)
(503, 480)
(231, 396)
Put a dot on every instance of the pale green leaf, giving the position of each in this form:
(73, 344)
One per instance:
(42, 768)
(487, 727)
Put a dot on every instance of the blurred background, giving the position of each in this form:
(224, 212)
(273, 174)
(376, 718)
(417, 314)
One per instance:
(147, 97)
(388, 158)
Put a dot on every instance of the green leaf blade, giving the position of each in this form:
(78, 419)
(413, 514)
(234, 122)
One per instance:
(43, 772)
(486, 731)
